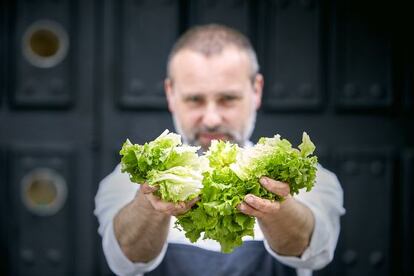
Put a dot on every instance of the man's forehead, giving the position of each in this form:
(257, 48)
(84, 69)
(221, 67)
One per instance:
(189, 57)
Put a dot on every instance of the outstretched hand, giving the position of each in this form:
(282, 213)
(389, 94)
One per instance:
(262, 208)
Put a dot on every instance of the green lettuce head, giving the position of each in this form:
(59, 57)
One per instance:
(275, 158)
(165, 162)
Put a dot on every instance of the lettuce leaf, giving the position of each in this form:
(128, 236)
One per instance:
(175, 168)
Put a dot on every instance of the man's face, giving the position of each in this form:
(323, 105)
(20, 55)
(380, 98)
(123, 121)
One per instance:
(213, 97)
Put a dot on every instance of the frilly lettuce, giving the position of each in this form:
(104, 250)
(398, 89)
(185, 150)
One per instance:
(234, 173)
(215, 215)
(175, 168)
(221, 178)
(275, 158)
(177, 183)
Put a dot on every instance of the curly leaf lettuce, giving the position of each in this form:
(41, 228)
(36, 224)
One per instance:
(177, 183)
(215, 215)
(275, 158)
(221, 178)
(234, 173)
(175, 168)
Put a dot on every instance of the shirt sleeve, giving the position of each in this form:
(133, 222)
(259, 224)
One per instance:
(115, 191)
(325, 201)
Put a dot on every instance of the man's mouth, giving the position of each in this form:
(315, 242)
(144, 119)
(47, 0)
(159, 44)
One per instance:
(208, 137)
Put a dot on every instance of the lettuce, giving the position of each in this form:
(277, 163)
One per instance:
(275, 158)
(221, 178)
(234, 173)
(165, 162)
(215, 214)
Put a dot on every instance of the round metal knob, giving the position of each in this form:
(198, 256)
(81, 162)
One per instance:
(377, 167)
(56, 86)
(54, 256)
(350, 90)
(376, 258)
(279, 90)
(306, 90)
(27, 256)
(349, 257)
(376, 90)
(43, 191)
(45, 43)
(136, 87)
(350, 167)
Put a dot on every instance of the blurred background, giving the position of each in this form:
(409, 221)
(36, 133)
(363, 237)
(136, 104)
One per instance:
(78, 77)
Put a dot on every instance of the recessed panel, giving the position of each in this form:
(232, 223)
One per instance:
(40, 184)
(290, 39)
(145, 31)
(42, 39)
(367, 179)
(362, 56)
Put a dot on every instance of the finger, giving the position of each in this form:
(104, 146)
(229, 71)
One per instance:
(274, 186)
(147, 189)
(248, 210)
(192, 202)
(179, 208)
(262, 205)
(159, 204)
(170, 208)
(185, 207)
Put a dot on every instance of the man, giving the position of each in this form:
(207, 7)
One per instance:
(213, 90)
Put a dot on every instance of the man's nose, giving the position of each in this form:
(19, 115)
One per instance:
(212, 117)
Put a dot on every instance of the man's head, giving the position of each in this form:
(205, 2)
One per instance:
(213, 86)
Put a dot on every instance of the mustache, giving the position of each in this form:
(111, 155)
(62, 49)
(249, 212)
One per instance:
(214, 130)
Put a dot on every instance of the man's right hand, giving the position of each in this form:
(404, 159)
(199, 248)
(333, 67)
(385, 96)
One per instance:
(167, 208)
(142, 226)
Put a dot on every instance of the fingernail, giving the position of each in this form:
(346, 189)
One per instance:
(263, 180)
(249, 199)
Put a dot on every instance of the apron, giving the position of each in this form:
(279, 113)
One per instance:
(249, 259)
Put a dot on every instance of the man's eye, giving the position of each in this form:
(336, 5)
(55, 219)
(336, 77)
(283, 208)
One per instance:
(194, 99)
(228, 99)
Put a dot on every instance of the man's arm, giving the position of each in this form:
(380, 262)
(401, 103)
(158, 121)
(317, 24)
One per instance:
(288, 225)
(118, 198)
(141, 230)
(141, 227)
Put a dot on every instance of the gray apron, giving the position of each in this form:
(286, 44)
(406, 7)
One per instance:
(249, 259)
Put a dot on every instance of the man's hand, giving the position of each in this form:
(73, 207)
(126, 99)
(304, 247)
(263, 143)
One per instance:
(141, 227)
(286, 225)
(263, 208)
(167, 208)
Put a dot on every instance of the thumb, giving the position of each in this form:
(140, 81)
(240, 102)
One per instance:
(147, 189)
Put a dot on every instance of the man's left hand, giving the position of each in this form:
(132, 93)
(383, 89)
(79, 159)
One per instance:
(286, 225)
(260, 207)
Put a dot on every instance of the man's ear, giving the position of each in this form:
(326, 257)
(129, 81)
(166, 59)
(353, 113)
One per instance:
(169, 93)
(258, 89)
